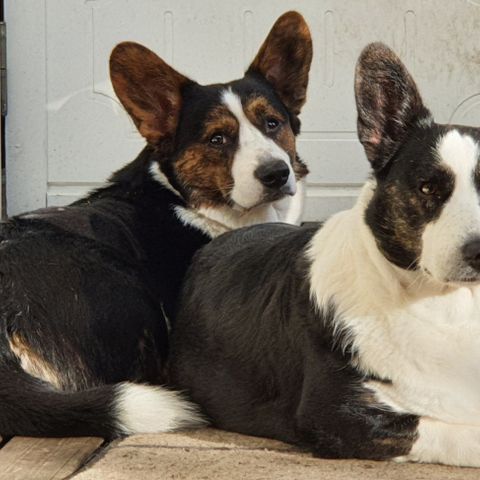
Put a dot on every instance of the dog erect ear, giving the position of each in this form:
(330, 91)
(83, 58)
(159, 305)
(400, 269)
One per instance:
(149, 89)
(388, 103)
(284, 60)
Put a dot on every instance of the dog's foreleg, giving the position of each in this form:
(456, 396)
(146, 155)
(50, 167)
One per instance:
(440, 442)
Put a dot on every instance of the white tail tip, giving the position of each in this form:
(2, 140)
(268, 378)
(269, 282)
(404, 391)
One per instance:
(147, 409)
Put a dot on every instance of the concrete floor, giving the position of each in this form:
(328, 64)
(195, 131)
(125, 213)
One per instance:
(210, 454)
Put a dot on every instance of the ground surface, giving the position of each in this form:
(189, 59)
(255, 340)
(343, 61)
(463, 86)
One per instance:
(211, 454)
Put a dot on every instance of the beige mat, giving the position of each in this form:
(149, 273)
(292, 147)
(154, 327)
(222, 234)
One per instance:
(211, 454)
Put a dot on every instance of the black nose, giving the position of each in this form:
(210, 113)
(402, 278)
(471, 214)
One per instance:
(471, 253)
(273, 174)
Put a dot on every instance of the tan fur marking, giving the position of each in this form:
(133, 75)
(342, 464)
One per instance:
(259, 108)
(220, 120)
(206, 172)
(32, 362)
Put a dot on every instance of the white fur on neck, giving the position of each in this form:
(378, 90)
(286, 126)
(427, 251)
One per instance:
(290, 209)
(217, 220)
(214, 221)
(345, 264)
(160, 177)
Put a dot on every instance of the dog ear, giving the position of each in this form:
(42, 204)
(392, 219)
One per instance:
(149, 89)
(388, 103)
(284, 60)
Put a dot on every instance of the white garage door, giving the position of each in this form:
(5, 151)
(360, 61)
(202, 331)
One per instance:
(66, 132)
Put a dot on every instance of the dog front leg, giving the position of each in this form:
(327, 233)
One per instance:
(338, 417)
(440, 442)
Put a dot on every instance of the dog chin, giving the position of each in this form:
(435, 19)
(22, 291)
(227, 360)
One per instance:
(270, 198)
(259, 197)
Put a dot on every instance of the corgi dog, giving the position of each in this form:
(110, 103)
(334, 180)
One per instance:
(88, 291)
(360, 338)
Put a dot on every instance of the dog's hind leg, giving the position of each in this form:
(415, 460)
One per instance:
(77, 316)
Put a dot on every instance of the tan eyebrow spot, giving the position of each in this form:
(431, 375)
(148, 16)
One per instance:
(260, 107)
(220, 119)
(256, 110)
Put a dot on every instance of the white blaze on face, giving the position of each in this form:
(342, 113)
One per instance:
(254, 148)
(459, 219)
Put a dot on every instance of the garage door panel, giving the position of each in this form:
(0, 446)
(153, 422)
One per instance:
(88, 135)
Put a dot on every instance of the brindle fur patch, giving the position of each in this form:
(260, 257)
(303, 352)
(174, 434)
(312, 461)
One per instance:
(398, 216)
(398, 212)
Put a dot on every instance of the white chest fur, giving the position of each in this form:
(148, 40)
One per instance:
(422, 337)
(431, 352)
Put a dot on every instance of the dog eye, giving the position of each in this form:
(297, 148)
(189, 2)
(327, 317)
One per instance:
(428, 188)
(272, 124)
(218, 139)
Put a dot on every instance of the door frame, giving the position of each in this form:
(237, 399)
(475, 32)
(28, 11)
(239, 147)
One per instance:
(3, 209)
(26, 141)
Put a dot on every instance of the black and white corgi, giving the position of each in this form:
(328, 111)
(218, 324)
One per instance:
(86, 290)
(361, 338)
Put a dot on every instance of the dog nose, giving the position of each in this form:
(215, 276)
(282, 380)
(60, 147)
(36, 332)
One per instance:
(273, 174)
(471, 253)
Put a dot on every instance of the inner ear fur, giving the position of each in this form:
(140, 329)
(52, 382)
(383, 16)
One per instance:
(149, 89)
(284, 60)
(388, 103)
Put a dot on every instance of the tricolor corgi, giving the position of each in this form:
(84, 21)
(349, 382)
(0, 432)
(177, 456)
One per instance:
(86, 291)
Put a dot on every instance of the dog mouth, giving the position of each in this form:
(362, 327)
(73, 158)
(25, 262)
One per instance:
(277, 195)
(461, 280)
(464, 280)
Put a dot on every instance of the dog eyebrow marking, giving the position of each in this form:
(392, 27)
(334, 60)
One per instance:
(251, 136)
